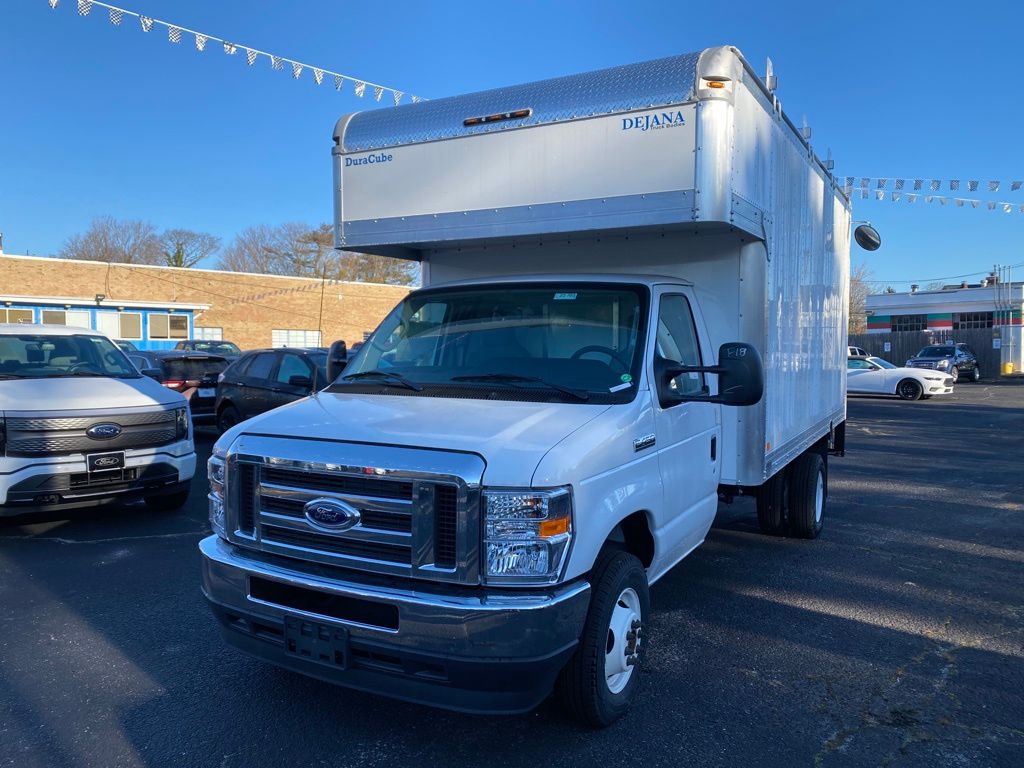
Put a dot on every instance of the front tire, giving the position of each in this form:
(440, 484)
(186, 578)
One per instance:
(227, 417)
(976, 374)
(807, 494)
(908, 389)
(955, 373)
(600, 681)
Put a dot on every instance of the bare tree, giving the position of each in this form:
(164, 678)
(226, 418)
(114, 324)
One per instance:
(859, 289)
(301, 250)
(127, 241)
(185, 248)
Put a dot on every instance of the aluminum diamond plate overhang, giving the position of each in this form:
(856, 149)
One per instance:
(645, 85)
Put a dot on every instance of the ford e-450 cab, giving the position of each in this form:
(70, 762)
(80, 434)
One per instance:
(634, 305)
(81, 427)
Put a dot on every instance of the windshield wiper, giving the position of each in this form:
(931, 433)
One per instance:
(514, 378)
(13, 376)
(80, 373)
(388, 376)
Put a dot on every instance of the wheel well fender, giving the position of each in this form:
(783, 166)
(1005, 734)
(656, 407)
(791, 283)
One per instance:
(633, 534)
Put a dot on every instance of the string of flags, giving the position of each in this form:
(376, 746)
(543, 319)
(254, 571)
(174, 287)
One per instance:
(912, 190)
(176, 32)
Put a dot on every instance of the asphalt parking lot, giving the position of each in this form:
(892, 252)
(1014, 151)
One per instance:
(897, 638)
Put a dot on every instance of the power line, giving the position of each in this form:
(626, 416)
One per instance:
(937, 279)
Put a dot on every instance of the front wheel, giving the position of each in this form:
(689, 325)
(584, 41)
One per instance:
(955, 373)
(600, 681)
(807, 496)
(908, 389)
(227, 417)
(976, 374)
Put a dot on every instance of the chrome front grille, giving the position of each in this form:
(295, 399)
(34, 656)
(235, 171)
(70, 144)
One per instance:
(59, 434)
(922, 364)
(414, 523)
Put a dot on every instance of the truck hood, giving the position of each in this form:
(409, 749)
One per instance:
(83, 393)
(512, 437)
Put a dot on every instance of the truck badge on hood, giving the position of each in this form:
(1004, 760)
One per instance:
(331, 514)
(107, 431)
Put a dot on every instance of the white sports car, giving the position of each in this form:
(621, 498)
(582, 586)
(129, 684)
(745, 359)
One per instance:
(875, 376)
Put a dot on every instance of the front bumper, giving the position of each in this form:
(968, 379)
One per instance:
(458, 648)
(63, 483)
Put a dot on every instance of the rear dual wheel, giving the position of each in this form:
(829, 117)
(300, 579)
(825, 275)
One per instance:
(794, 499)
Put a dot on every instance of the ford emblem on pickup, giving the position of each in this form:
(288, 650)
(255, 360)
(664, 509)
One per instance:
(331, 514)
(105, 431)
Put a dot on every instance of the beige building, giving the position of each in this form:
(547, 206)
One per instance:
(155, 307)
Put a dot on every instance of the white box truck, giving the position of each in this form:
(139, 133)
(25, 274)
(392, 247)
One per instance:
(474, 511)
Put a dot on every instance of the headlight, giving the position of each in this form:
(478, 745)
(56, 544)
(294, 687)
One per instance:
(216, 472)
(181, 423)
(942, 364)
(526, 534)
(934, 378)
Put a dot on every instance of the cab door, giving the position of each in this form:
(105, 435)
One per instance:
(688, 435)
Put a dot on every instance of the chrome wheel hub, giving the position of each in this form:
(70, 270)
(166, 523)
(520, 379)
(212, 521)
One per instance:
(622, 650)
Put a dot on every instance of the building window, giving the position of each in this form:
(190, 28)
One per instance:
(74, 318)
(909, 323)
(290, 338)
(168, 326)
(208, 334)
(120, 325)
(16, 316)
(963, 321)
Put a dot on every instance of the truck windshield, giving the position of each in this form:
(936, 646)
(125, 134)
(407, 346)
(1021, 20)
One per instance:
(571, 342)
(30, 356)
(937, 352)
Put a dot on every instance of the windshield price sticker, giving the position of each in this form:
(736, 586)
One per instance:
(565, 297)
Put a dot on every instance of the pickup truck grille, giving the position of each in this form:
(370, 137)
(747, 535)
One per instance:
(407, 527)
(922, 364)
(57, 434)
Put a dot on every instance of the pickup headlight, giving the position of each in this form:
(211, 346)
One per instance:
(181, 423)
(942, 364)
(216, 472)
(526, 535)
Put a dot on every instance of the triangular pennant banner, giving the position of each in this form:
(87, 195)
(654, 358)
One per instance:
(879, 194)
(972, 186)
(296, 70)
(934, 186)
(250, 56)
(116, 15)
(895, 197)
(991, 206)
(881, 183)
(849, 181)
(1007, 207)
(318, 75)
(174, 35)
(415, 99)
(975, 203)
(898, 186)
(398, 97)
(1014, 186)
(943, 200)
(918, 183)
(864, 182)
(230, 48)
(339, 81)
(360, 89)
(84, 6)
(54, 3)
(954, 185)
(993, 186)
(146, 22)
(928, 198)
(377, 92)
(863, 194)
(276, 62)
(911, 197)
(959, 202)
(201, 42)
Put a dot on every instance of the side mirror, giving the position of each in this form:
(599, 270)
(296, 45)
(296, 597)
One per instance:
(867, 237)
(337, 358)
(300, 381)
(154, 373)
(740, 377)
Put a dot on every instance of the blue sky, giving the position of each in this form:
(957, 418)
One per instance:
(97, 119)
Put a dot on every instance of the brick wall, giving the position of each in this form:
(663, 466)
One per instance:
(248, 307)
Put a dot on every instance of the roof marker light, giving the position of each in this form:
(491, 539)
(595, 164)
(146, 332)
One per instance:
(515, 115)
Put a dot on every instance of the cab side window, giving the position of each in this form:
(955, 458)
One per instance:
(858, 365)
(292, 365)
(676, 341)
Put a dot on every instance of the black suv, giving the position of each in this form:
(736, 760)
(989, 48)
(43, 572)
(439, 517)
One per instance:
(956, 359)
(262, 379)
(194, 374)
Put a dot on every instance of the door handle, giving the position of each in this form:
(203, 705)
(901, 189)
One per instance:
(714, 448)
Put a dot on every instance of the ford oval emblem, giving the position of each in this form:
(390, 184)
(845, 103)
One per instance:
(103, 431)
(331, 514)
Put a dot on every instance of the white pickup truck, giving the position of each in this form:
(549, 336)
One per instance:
(474, 511)
(81, 427)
